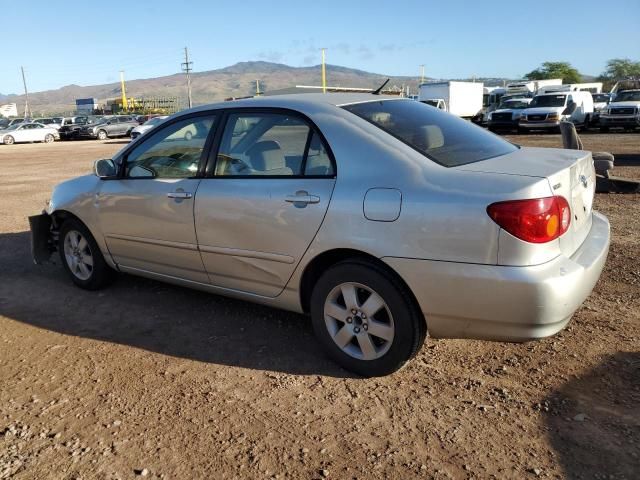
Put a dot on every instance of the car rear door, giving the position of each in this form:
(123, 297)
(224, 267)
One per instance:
(146, 215)
(263, 201)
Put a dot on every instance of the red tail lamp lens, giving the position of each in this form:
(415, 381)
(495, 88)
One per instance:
(536, 220)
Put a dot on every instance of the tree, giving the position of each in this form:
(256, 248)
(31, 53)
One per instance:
(621, 69)
(562, 70)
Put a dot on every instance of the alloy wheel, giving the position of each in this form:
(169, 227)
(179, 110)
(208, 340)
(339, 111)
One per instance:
(359, 321)
(77, 254)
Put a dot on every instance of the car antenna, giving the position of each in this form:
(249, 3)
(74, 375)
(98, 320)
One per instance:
(379, 89)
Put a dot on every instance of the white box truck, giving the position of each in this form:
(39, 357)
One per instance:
(460, 98)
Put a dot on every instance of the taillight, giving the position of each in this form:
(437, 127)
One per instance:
(536, 220)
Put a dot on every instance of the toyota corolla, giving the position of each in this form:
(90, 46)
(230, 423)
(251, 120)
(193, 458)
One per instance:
(382, 218)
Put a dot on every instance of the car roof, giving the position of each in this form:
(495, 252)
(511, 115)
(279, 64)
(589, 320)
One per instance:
(297, 99)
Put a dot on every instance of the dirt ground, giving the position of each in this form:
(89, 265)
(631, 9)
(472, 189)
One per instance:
(147, 379)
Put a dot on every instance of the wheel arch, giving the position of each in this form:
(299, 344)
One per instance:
(327, 259)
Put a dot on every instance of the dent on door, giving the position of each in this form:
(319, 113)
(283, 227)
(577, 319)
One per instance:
(252, 233)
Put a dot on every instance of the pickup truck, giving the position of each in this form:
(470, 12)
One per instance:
(623, 111)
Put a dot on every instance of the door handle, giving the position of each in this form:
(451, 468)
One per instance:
(180, 195)
(302, 198)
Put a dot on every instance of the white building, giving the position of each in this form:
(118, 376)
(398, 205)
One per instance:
(9, 110)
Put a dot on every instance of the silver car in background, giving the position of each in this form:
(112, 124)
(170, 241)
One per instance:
(380, 217)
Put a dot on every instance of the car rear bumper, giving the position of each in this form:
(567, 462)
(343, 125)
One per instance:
(461, 300)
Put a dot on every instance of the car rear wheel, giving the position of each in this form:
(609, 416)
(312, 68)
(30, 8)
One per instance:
(49, 138)
(82, 258)
(8, 140)
(365, 319)
(102, 135)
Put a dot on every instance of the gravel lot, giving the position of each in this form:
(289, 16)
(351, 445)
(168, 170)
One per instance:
(147, 379)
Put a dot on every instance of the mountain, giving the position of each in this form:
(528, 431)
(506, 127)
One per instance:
(237, 80)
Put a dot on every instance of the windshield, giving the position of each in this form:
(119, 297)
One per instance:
(548, 101)
(441, 137)
(57, 119)
(514, 105)
(600, 97)
(154, 121)
(630, 96)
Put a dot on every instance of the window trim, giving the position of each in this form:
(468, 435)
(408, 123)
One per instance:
(313, 128)
(166, 124)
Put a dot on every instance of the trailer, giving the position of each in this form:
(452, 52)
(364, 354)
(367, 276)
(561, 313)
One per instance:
(460, 98)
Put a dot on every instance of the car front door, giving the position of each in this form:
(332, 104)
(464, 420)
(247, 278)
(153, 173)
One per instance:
(146, 215)
(264, 200)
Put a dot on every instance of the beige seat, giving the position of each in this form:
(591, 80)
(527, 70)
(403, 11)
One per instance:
(602, 161)
(267, 158)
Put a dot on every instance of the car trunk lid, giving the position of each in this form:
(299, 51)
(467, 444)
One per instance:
(570, 174)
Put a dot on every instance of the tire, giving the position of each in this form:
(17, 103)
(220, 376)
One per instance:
(102, 135)
(8, 140)
(188, 136)
(49, 138)
(75, 254)
(397, 319)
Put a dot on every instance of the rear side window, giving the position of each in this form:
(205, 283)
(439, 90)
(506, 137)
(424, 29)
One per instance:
(441, 137)
(271, 144)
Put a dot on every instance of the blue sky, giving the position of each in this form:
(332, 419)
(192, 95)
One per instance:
(88, 42)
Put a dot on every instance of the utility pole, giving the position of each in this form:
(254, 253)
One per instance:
(422, 73)
(125, 104)
(258, 92)
(324, 72)
(186, 68)
(27, 109)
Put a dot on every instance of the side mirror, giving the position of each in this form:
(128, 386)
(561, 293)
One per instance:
(109, 122)
(105, 168)
(571, 107)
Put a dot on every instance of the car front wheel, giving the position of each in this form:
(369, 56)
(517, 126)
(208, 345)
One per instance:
(365, 319)
(8, 140)
(82, 258)
(102, 135)
(49, 138)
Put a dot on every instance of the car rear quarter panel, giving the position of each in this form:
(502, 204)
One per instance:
(443, 212)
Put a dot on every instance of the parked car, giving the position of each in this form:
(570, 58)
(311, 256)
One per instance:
(109, 127)
(148, 125)
(507, 116)
(28, 132)
(16, 121)
(50, 122)
(70, 129)
(623, 111)
(547, 110)
(600, 104)
(379, 216)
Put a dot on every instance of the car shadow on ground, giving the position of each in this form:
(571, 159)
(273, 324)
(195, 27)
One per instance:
(157, 317)
(593, 427)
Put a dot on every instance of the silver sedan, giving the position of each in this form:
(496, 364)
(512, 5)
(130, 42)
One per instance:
(380, 217)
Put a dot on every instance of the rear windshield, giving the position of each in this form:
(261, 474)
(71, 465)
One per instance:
(441, 137)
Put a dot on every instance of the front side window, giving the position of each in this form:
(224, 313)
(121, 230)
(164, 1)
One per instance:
(263, 144)
(439, 136)
(172, 152)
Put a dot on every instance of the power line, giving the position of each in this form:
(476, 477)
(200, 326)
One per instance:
(186, 68)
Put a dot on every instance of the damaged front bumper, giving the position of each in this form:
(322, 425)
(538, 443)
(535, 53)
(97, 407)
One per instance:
(43, 238)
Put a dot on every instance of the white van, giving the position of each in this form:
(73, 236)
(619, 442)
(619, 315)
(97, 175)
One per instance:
(548, 109)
